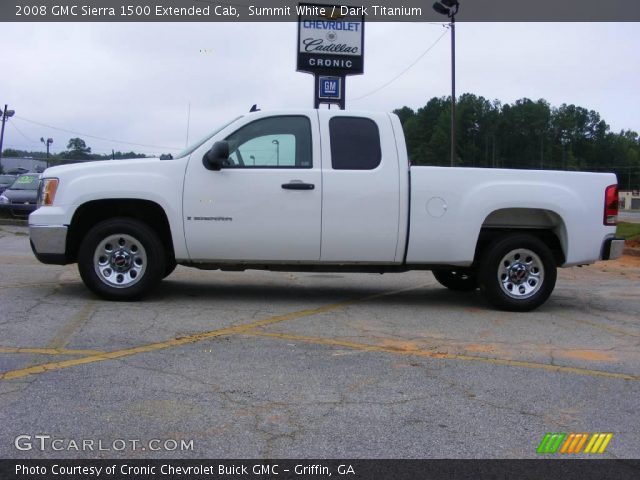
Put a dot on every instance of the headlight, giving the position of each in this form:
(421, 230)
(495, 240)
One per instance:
(47, 191)
(3, 199)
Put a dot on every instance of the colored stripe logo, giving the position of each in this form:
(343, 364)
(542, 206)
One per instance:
(573, 443)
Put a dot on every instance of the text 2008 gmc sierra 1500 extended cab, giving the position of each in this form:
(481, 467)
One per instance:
(322, 190)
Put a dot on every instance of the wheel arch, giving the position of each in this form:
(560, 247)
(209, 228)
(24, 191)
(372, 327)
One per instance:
(90, 213)
(544, 224)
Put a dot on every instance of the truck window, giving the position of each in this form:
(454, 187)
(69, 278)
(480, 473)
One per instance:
(274, 142)
(355, 143)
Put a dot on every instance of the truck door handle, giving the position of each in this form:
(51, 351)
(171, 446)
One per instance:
(298, 185)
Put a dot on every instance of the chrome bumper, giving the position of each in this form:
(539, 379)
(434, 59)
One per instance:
(48, 239)
(612, 248)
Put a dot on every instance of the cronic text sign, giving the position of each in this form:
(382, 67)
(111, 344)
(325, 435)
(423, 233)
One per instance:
(330, 39)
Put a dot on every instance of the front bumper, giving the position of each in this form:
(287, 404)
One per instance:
(49, 243)
(612, 248)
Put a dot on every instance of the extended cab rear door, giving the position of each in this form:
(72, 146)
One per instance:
(361, 188)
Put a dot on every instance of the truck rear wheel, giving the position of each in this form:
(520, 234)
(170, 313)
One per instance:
(517, 273)
(461, 280)
(121, 259)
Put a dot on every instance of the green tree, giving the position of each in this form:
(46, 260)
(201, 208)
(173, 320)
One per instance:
(77, 149)
(523, 134)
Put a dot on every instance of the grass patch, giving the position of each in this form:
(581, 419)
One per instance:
(628, 230)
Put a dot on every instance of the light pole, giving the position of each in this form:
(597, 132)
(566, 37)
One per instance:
(47, 142)
(277, 144)
(5, 115)
(564, 140)
(450, 9)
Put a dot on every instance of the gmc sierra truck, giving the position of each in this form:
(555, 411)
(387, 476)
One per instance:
(322, 190)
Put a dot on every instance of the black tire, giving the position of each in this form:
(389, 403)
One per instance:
(517, 273)
(170, 266)
(118, 248)
(460, 280)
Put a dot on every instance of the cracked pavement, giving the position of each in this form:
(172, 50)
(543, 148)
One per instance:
(285, 365)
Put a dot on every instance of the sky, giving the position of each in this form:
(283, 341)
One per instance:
(162, 85)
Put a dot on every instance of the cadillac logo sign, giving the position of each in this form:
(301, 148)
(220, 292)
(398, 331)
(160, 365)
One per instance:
(330, 40)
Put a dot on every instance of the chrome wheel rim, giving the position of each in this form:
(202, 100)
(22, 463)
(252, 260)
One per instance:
(521, 274)
(120, 261)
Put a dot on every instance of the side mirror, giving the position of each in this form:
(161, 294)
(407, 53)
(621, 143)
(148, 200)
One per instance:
(215, 158)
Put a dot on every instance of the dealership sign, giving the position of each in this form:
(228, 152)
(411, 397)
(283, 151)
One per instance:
(330, 43)
(330, 88)
(330, 40)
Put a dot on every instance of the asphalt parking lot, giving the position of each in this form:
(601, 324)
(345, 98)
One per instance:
(268, 365)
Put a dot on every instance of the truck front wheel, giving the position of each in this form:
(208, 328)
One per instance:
(121, 259)
(170, 266)
(517, 273)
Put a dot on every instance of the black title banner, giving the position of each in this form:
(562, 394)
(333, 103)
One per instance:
(319, 469)
(284, 10)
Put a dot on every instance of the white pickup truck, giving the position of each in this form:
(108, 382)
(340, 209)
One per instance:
(322, 190)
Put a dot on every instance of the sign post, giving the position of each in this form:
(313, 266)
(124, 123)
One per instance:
(330, 47)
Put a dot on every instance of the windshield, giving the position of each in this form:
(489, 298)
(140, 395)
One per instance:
(7, 179)
(189, 150)
(26, 182)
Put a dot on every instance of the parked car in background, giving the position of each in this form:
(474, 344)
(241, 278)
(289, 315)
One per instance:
(6, 181)
(18, 171)
(21, 198)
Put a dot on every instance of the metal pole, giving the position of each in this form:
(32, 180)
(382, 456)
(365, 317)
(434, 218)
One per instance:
(453, 90)
(4, 119)
(277, 144)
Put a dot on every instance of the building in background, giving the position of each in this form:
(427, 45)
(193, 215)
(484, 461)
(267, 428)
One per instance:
(629, 200)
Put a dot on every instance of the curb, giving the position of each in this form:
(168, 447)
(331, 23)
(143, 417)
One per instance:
(14, 221)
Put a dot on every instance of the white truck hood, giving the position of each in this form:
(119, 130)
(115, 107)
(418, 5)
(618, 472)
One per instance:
(143, 178)
(85, 167)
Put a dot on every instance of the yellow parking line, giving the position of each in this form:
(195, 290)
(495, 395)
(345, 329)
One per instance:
(440, 355)
(49, 351)
(175, 342)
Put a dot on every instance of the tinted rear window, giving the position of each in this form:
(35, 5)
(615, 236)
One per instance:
(355, 143)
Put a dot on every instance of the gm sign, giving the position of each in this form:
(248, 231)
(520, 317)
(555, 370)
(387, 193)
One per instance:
(330, 46)
(330, 88)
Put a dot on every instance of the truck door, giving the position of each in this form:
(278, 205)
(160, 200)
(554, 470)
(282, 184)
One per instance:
(361, 188)
(264, 205)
